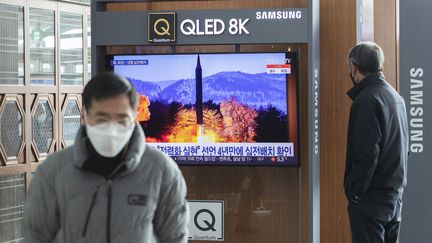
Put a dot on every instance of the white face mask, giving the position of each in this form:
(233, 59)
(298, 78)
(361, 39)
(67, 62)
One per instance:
(109, 138)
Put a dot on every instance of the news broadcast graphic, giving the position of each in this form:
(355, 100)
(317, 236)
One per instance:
(217, 109)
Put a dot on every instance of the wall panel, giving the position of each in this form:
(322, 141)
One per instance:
(338, 35)
(385, 35)
(209, 4)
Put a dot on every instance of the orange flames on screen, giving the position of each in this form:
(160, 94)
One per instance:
(234, 123)
(143, 112)
(187, 130)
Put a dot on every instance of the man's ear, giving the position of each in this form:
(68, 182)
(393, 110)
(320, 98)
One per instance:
(83, 116)
(352, 67)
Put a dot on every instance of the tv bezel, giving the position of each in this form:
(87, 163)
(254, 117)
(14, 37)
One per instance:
(295, 69)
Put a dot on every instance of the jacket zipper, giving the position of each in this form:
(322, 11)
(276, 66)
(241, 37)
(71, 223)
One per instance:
(89, 211)
(109, 192)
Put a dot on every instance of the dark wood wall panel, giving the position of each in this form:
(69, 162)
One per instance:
(338, 35)
(385, 36)
(213, 4)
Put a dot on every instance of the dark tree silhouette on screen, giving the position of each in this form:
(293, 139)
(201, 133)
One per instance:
(271, 125)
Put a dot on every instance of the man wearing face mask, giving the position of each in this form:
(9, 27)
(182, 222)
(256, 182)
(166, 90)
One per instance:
(109, 186)
(377, 149)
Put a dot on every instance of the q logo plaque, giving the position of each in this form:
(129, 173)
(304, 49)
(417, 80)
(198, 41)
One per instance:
(162, 27)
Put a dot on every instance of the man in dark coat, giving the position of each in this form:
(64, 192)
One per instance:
(377, 149)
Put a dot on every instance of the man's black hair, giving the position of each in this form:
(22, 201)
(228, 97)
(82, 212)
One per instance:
(108, 85)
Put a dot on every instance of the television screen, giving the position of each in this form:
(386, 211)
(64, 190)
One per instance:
(217, 109)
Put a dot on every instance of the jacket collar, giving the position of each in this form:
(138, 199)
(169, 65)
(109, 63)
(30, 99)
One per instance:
(369, 80)
(133, 155)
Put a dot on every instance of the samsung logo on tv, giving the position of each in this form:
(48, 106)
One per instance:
(278, 15)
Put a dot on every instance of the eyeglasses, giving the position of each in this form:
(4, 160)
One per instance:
(98, 119)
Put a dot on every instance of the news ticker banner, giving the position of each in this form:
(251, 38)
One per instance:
(239, 26)
(229, 153)
(415, 87)
(270, 68)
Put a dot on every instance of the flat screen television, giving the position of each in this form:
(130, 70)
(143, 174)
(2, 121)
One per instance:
(217, 109)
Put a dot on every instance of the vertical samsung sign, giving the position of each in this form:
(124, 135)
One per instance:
(416, 88)
(313, 129)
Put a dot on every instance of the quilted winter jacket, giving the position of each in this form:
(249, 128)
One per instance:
(143, 204)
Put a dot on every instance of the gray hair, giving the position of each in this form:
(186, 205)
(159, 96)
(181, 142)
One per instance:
(368, 57)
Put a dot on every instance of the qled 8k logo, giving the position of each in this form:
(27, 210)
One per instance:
(214, 27)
